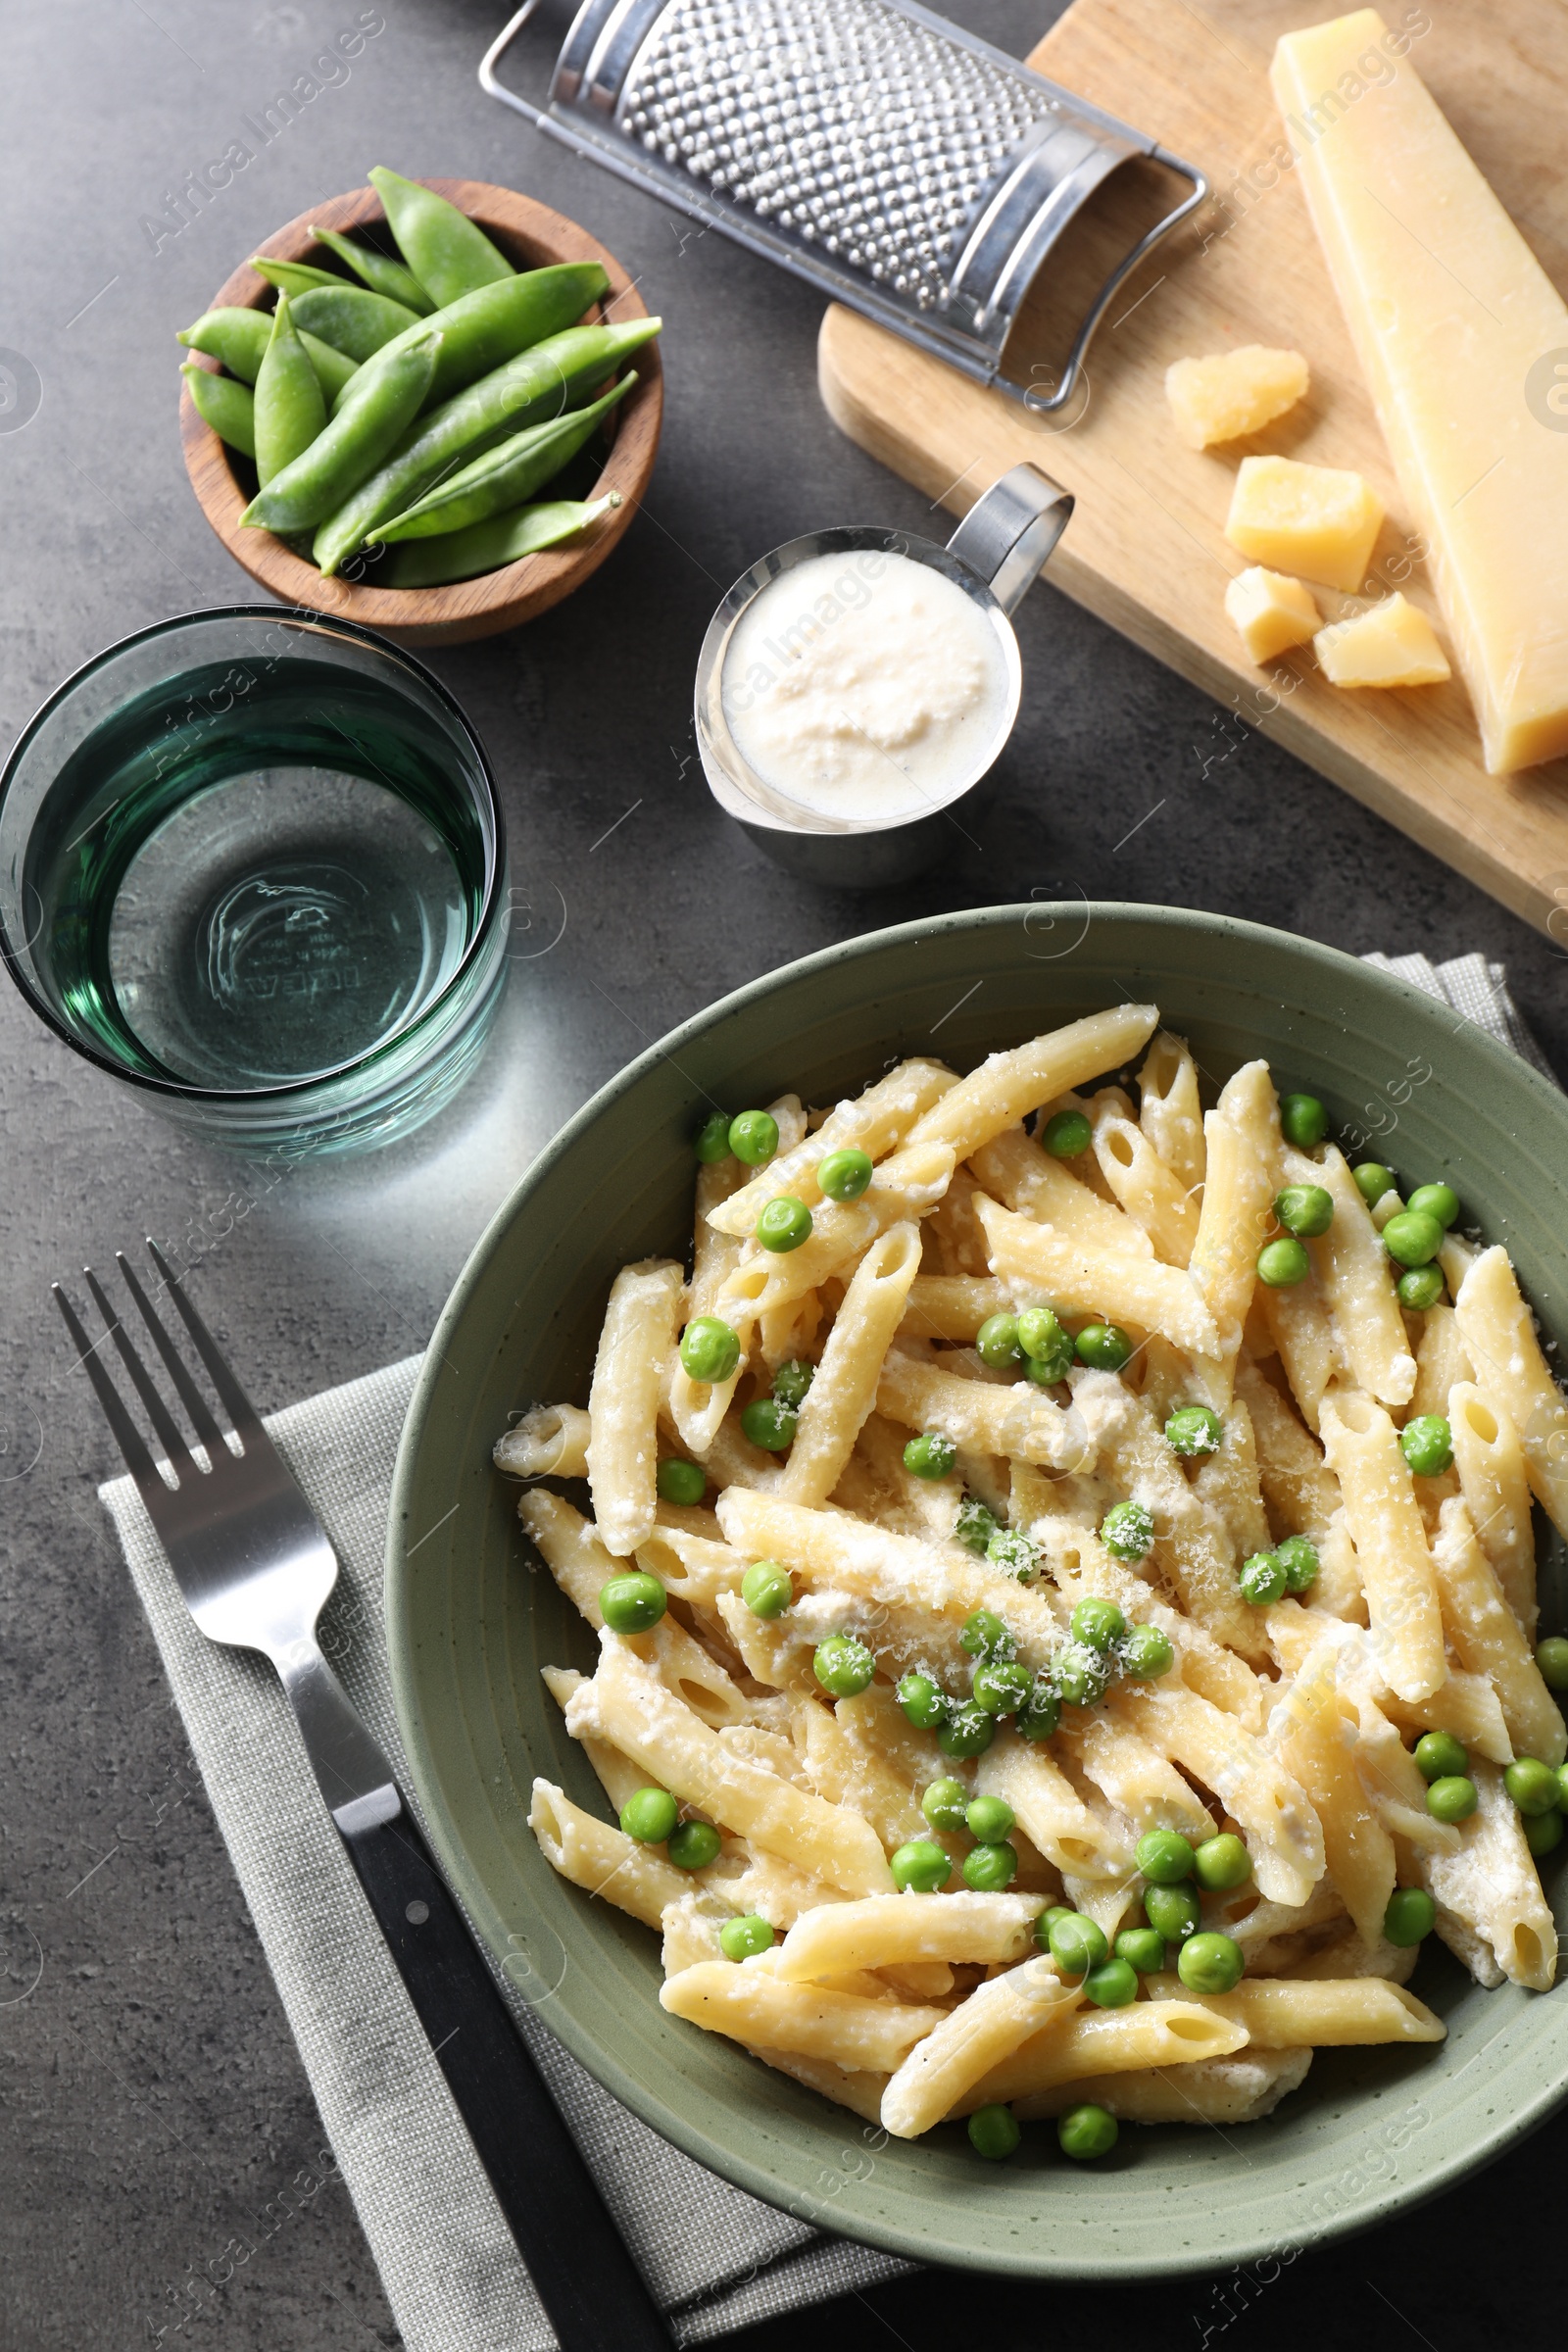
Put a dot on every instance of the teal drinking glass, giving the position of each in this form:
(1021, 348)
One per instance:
(251, 862)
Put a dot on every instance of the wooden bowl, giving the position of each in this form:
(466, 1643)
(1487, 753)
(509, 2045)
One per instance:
(530, 235)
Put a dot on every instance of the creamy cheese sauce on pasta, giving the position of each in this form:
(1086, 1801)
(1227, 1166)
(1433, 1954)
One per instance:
(863, 686)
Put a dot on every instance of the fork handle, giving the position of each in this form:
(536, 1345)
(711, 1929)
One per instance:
(588, 2284)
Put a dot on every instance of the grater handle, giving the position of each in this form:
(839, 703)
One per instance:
(1008, 533)
(490, 81)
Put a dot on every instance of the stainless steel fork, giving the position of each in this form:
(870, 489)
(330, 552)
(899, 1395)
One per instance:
(256, 1568)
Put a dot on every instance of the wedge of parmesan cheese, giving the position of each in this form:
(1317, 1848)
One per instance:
(1229, 393)
(1318, 520)
(1459, 332)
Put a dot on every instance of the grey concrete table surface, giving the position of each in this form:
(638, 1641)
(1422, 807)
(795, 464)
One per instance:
(154, 2121)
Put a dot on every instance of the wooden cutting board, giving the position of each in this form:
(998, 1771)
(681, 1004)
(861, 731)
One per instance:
(1146, 548)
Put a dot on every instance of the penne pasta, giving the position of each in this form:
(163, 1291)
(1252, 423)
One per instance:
(1352, 1266)
(1168, 1109)
(1241, 2090)
(1491, 1462)
(844, 1388)
(1397, 1577)
(1487, 1639)
(551, 1442)
(622, 1449)
(1107, 2041)
(1025, 2004)
(604, 1861)
(1113, 1284)
(1018, 1171)
(1285, 2013)
(891, 1930)
(1500, 1335)
(1241, 1137)
(757, 2008)
(1490, 1910)
(1149, 1192)
(874, 1123)
(1008, 1086)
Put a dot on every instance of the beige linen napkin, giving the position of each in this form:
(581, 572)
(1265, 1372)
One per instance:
(452, 2274)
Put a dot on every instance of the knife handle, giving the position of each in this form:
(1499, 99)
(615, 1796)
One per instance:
(588, 2284)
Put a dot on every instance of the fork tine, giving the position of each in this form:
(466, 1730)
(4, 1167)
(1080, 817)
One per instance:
(158, 1414)
(190, 1396)
(138, 1461)
(236, 1404)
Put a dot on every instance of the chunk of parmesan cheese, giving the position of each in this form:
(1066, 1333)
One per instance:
(1317, 520)
(1270, 611)
(1459, 332)
(1391, 644)
(1229, 393)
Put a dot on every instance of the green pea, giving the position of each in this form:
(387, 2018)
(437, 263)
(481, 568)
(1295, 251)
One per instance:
(632, 1602)
(1040, 1712)
(767, 1589)
(784, 1224)
(1099, 1623)
(845, 1175)
(1046, 1343)
(792, 1381)
(1427, 1445)
(1193, 1431)
(1068, 1135)
(229, 408)
(991, 1869)
(1045, 1371)
(1210, 1963)
(290, 407)
(1086, 2133)
(694, 1846)
(1165, 1856)
(1410, 1916)
(1112, 1984)
(983, 1633)
(930, 1454)
(1105, 1346)
(1284, 1263)
(1373, 1179)
(1013, 1552)
(1000, 1686)
(1439, 1200)
(1297, 1556)
(743, 1938)
(650, 1816)
(946, 1803)
(1411, 1238)
(1562, 1785)
(709, 1351)
(994, 2132)
(1141, 1950)
(920, 1865)
(1048, 1920)
(1542, 1832)
(1304, 1121)
(843, 1665)
(1533, 1786)
(1127, 1531)
(1453, 1799)
(712, 1140)
(996, 1342)
(681, 1481)
(1419, 1286)
(1077, 1945)
(754, 1136)
(1081, 1675)
(1221, 1863)
(968, 1731)
(449, 254)
(924, 1702)
(1438, 1755)
(1552, 1656)
(976, 1526)
(1173, 1912)
(1147, 1653)
(988, 1818)
(1304, 1209)
(1262, 1579)
(769, 1424)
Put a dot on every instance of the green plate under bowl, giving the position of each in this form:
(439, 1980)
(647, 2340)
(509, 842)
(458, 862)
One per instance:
(471, 1616)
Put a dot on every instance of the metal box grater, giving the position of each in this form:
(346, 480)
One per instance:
(886, 156)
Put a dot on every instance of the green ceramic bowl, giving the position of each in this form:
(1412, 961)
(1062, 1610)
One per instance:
(471, 1617)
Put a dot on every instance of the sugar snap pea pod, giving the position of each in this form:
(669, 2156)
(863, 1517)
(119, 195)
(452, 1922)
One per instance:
(352, 320)
(238, 337)
(227, 406)
(503, 478)
(487, 546)
(290, 410)
(352, 449)
(483, 330)
(557, 374)
(377, 271)
(448, 253)
(292, 277)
